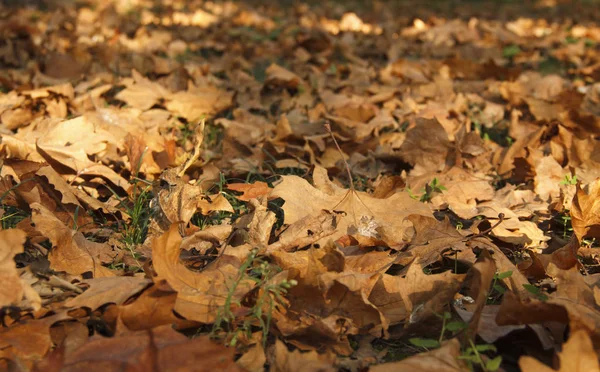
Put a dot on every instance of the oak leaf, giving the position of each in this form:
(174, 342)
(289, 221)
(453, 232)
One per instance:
(389, 214)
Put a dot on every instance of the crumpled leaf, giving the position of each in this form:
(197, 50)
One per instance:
(199, 294)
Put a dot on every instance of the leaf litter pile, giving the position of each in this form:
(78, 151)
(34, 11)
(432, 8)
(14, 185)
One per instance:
(191, 185)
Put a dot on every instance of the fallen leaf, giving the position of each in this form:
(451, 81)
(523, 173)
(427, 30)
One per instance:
(108, 290)
(445, 359)
(26, 343)
(71, 252)
(249, 190)
(585, 212)
(11, 244)
(296, 361)
(389, 214)
(160, 348)
(577, 355)
(199, 294)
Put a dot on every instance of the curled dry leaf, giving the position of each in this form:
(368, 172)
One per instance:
(199, 294)
(71, 251)
(478, 281)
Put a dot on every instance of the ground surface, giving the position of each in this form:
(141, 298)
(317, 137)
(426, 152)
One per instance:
(299, 186)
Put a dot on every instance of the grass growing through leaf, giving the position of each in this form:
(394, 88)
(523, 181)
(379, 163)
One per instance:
(427, 193)
(472, 354)
(497, 291)
(270, 295)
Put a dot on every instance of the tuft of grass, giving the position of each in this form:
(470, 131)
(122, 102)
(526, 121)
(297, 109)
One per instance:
(511, 51)
(432, 188)
(12, 216)
(270, 296)
(472, 354)
(137, 206)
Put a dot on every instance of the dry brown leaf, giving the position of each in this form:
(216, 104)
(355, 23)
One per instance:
(443, 359)
(141, 93)
(26, 343)
(425, 295)
(389, 215)
(426, 145)
(153, 308)
(277, 75)
(11, 243)
(577, 355)
(478, 281)
(306, 231)
(199, 102)
(108, 290)
(250, 190)
(296, 361)
(585, 212)
(199, 294)
(71, 251)
(161, 348)
(254, 359)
